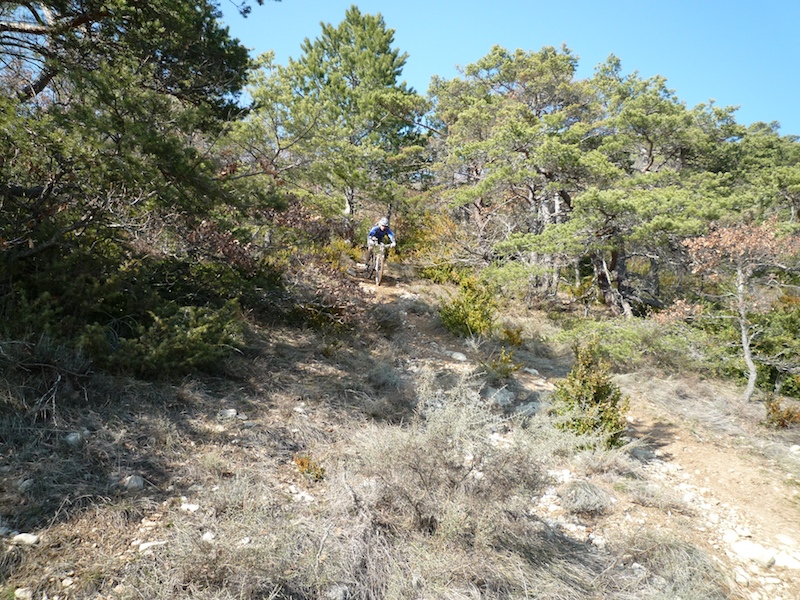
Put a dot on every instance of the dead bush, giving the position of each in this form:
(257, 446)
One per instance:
(448, 472)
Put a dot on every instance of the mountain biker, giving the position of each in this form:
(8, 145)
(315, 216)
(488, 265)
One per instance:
(376, 236)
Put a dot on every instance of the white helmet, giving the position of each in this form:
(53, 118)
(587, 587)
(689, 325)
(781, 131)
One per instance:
(384, 222)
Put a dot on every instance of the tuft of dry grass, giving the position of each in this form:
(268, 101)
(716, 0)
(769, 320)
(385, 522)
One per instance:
(650, 494)
(585, 498)
(675, 568)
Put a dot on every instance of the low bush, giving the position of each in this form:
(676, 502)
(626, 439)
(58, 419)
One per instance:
(499, 368)
(632, 344)
(588, 401)
(448, 473)
(471, 312)
(179, 340)
(780, 417)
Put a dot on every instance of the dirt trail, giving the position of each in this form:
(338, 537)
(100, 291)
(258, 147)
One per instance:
(741, 498)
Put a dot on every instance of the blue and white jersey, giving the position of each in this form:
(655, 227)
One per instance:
(379, 233)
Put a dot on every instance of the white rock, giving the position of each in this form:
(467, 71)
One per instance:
(190, 507)
(795, 449)
(25, 539)
(147, 545)
(741, 576)
(730, 536)
(786, 561)
(748, 550)
(133, 482)
(531, 371)
(74, 439)
(208, 537)
(23, 594)
(786, 540)
(67, 582)
(228, 413)
(458, 356)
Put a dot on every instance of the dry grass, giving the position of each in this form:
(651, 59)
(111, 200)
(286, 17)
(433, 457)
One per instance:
(586, 498)
(421, 488)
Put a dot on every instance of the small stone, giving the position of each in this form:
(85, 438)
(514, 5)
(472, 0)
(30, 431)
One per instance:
(531, 371)
(67, 582)
(794, 449)
(786, 561)
(458, 356)
(503, 396)
(228, 413)
(741, 576)
(25, 539)
(337, 592)
(208, 537)
(147, 545)
(23, 594)
(643, 454)
(133, 483)
(74, 439)
(190, 507)
(25, 485)
(748, 550)
(730, 536)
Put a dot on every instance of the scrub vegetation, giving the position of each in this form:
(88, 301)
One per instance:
(202, 397)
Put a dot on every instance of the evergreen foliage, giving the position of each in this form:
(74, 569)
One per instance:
(141, 205)
(471, 311)
(589, 401)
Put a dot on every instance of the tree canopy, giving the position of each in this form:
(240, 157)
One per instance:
(124, 138)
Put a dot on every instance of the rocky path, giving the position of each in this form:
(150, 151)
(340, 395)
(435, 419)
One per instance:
(717, 493)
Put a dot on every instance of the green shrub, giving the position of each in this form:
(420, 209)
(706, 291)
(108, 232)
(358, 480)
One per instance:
(471, 312)
(588, 401)
(444, 273)
(501, 367)
(179, 340)
(639, 343)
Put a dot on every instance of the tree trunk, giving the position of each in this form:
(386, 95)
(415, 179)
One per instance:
(349, 202)
(744, 330)
(609, 285)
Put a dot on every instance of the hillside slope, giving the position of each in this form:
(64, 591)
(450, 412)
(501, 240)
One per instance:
(306, 473)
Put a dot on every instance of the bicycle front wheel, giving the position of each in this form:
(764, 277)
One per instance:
(378, 269)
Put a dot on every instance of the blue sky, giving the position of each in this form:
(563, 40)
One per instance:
(743, 53)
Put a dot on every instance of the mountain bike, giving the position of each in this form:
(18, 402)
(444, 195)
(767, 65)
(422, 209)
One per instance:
(377, 262)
